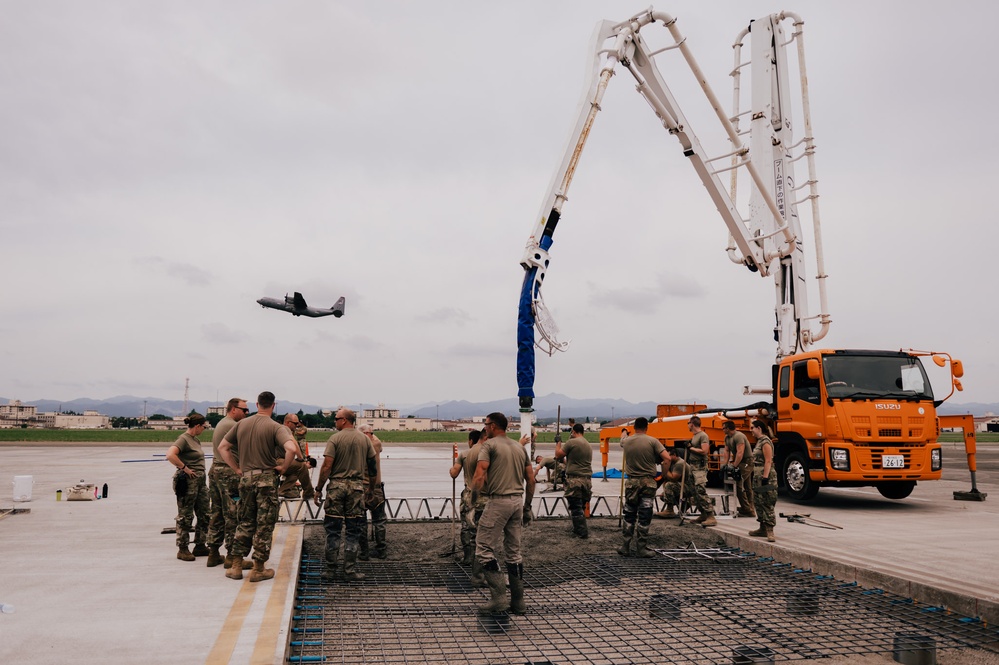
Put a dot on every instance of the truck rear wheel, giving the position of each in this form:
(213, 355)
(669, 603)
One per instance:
(796, 481)
(896, 490)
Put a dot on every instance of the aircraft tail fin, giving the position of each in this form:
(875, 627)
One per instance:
(338, 307)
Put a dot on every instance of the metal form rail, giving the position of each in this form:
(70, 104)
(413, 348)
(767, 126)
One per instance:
(439, 508)
(683, 606)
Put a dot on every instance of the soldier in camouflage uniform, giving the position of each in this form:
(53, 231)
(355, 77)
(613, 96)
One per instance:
(764, 481)
(697, 463)
(347, 456)
(641, 455)
(676, 474)
(374, 503)
(223, 489)
(189, 486)
(258, 443)
(298, 478)
(578, 456)
(470, 512)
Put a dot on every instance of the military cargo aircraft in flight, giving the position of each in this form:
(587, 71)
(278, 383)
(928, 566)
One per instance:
(296, 305)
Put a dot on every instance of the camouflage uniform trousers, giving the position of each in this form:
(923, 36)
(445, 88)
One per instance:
(193, 503)
(671, 491)
(765, 498)
(700, 496)
(470, 524)
(374, 502)
(578, 492)
(223, 490)
(639, 496)
(344, 503)
(258, 513)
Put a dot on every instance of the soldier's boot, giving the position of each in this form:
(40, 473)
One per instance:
(259, 573)
(625, 549)
(770, 534)
(214, 558)
(666, 513)
(709, 520)
(579, 526)
(184, 554)
(478, 578)
(468, 552)
(759, 533)
(381, 547)
(746, 512)
(362, 546)
(515, 571)
(350, 567)
(200, 550)
(331, 565)
(497, 590)
(235, 571)
(229, 558)
(641, 542)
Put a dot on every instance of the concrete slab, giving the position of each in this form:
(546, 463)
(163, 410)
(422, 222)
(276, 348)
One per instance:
(97, 580)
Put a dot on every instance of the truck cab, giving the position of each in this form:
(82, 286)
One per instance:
(854, 418)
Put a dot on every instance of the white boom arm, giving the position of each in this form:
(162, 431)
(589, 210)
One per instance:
(767, 238)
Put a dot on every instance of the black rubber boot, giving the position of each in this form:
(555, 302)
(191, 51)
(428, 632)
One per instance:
(629, 531)
(497, 590)
(641, 542)
(515, 571)
(350, 567)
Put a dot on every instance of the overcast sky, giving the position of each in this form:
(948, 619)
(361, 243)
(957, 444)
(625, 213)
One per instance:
(166, 164)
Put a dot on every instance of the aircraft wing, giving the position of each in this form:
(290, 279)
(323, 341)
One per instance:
(300, 301)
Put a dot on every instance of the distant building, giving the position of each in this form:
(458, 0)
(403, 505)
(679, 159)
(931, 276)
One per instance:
(216, 410)
(89, 420)
(397, 424)
(177, 422)
(380, 412)
(16, 414)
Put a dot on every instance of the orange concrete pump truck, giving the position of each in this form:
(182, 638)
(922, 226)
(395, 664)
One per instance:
(842, 417)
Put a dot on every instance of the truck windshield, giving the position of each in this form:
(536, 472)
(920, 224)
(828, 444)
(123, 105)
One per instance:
(871, 377)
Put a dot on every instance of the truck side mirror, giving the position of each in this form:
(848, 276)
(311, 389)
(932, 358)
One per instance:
(812, 367)
(957, 367)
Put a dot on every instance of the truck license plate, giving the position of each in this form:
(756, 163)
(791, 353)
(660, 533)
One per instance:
(892, 462)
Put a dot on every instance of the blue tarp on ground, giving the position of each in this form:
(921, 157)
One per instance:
(611, 473)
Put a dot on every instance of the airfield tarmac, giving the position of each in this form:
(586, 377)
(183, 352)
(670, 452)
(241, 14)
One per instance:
(97, 581)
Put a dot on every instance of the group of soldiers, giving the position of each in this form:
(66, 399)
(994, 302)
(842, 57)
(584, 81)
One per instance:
(751, 469)
(241, 500)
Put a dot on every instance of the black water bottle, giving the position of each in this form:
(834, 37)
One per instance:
(104, 491)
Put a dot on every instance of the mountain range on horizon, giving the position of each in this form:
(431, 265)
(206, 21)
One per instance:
(546, 406)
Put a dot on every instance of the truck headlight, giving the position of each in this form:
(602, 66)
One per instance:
(936, 460)
(839, 459)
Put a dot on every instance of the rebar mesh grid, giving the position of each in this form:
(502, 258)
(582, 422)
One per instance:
(683, 606)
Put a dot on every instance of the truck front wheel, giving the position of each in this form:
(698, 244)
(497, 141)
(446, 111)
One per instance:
(795, 474)
(896, 490)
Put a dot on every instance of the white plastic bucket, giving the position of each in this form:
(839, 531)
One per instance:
(22, 488)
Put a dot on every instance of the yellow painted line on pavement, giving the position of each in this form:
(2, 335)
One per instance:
(226, 642)
(274, 613)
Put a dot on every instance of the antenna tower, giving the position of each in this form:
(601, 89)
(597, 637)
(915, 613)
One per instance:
(187, 385)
